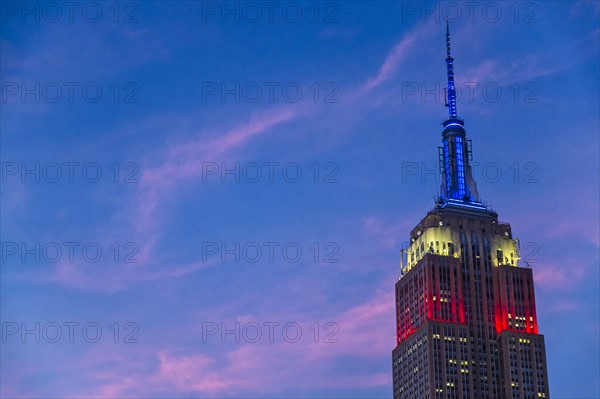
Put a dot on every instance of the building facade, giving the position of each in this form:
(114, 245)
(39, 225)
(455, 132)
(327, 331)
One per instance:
(466, 323)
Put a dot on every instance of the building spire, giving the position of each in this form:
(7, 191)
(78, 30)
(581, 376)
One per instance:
(447, 38)
(451, 101)
(458, 185)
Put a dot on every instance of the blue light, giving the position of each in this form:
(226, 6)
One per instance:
(451, 88)
(474, 205)
(460, 168)
(447, 170)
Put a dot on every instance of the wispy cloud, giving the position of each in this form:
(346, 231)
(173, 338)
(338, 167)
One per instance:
(181, 161)
(565, 276)
(389, 235)
(237, 369)
(191, 373)
(185, 160)
(399, 54)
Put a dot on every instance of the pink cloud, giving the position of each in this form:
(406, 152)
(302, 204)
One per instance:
(214, 369)
(185, 160)
(107, 277)
(182, 161)
(363, 327)
(388, 235)
(577, 225)
(113, 385)
(485, 71)
(191, 373)
(365, 330)
(265, 367)
(522, 70)
(562, 277)
(398, 54)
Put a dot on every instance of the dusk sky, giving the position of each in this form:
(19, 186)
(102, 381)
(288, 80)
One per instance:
(208, 199)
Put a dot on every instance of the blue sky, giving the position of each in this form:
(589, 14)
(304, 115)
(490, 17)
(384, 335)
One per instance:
(129, 115)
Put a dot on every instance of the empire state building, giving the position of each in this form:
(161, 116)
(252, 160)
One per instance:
(466, 323)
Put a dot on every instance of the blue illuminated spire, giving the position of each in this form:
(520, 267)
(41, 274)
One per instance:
(451, 100)
(458, 185)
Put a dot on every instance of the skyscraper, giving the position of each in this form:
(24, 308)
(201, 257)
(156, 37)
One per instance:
(466, 324)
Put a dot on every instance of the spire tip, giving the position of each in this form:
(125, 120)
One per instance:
(451, 98)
